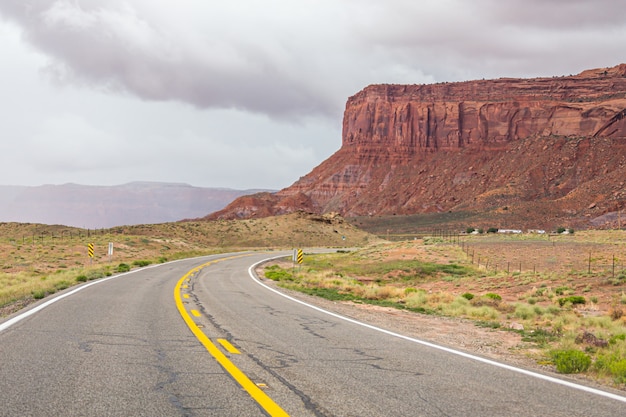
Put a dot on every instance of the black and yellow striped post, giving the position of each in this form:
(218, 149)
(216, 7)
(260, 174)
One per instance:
(90, 252)
(297, 258)
(300, 256)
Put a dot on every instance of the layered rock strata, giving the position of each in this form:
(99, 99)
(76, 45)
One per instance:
(474, 145)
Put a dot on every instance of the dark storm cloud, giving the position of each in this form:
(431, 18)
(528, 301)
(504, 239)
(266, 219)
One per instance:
(121, 45)
(249, 94)
(291, 59)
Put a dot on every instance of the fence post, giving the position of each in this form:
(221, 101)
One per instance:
(613, 273)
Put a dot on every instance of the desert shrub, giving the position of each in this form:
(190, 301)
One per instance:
(276, 273)
(493, 296)
(417, 299)
(524, 312)
(469, 230)
(573, 299)
(141, 263)
(618, 371)
(561, 290)
(409, 290)
(540, 336)
(570, 361)
(123, 267)
(39, 294)
(468, 296)
(81, 278)
(95, 275)
(61, 285)
(492, 230)
(560, 230)
(484, 312)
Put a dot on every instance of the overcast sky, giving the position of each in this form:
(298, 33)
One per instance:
(249, 94)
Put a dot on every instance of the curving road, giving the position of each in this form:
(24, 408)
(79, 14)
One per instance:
(161, 341)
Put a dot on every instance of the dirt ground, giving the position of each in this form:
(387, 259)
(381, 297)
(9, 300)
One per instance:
(499, 345)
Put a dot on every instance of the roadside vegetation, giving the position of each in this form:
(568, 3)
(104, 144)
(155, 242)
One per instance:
(573, 321)
(564, 295)
(39, 260)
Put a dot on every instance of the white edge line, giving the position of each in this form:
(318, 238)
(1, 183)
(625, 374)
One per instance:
(5, 325)
(432, 345)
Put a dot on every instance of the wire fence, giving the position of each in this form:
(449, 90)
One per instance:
(539, 254)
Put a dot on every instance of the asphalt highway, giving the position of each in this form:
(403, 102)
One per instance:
(201, 337)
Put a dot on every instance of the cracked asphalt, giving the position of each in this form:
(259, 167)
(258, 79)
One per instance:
(121, 348)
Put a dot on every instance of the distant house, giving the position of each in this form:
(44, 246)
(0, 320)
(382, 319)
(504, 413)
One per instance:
(510, 231)
(538, 231)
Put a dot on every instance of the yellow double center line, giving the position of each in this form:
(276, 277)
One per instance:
(251, 388)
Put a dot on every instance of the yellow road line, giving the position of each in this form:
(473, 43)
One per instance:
(251, 388)
(229, 348)
(185, 295)
(196, 313)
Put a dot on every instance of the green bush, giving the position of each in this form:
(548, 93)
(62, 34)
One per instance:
(123, 267)
(561, 290)
(39, 294)
(276, 273)
(617, 338)
(61, 285)
(468, 296)
(492, 230)
(141, 263)
(574, 299)
(560, 230)
(618, 370)
(571, 361)
(469, 230)
(493, 296)
(95, 275)
(81, 278)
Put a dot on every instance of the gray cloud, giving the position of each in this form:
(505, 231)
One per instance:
(250, 94)
(280, 58)
(124, 46)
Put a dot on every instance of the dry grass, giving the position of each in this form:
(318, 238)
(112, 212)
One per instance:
(438, 277)
(38, 260)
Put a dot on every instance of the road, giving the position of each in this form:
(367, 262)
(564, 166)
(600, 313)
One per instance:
(163, 341)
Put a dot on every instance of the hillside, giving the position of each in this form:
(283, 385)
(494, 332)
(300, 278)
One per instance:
(522, 153)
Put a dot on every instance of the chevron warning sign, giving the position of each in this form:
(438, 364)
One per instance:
(300, 256)
(90, 250)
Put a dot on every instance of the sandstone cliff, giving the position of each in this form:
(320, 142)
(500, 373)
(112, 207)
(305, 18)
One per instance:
(543, 148)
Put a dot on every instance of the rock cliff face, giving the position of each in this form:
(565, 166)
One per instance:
(528, 145)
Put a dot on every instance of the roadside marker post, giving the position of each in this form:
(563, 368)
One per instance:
(297, 258)
(90, 252)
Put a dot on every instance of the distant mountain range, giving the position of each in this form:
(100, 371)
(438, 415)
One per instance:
(93, 207)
